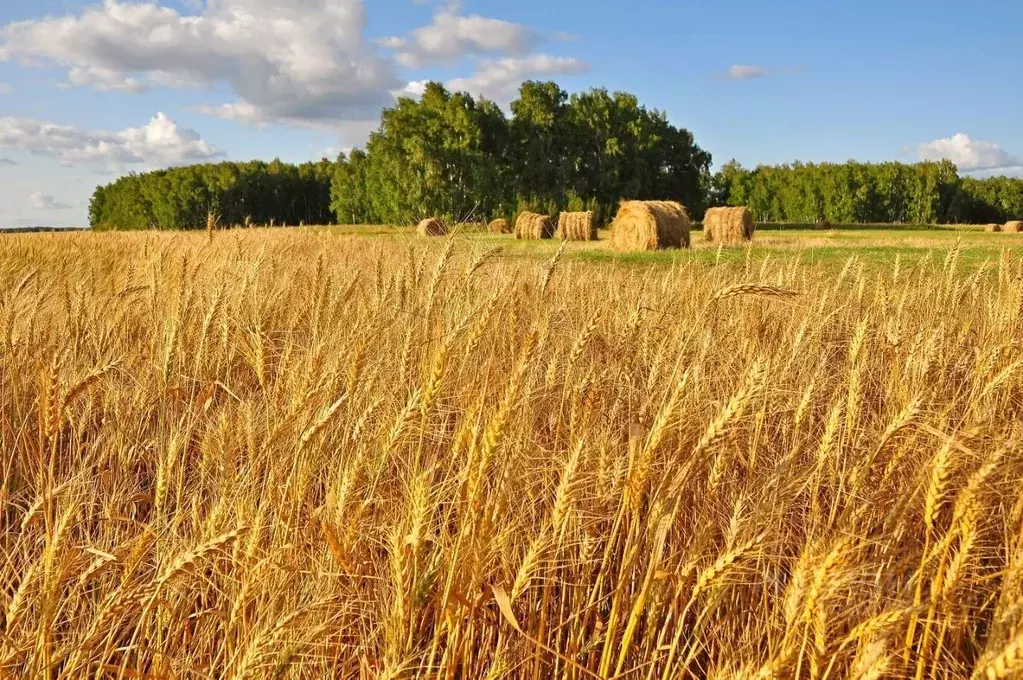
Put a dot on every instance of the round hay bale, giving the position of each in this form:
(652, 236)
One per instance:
(500, 226)
(993, 228)
(728, 226)
(432, 227)
(532, 226)
(577, 226)
(649, 225)
(1014, 227)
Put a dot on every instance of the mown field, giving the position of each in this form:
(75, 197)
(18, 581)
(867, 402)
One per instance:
(872, 244)
(315, 454)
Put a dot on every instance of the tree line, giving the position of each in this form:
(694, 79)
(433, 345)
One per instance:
(455, 156)
(444, 154)
(459, 157)
(997, 199)
(238, 193)
(920, 193)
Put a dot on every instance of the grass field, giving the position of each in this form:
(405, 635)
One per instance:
(314, 454)
(873, 244)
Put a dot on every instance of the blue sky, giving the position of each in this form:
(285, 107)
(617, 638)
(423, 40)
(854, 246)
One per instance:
(90, 89)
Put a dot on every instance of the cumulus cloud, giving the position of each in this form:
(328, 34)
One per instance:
(500, 79)
(970, 155)
(750, 72)
(451, 36)
(299, 62)
(414, 88)
(160, 142)
(103, 79)
(745, 72)
(285, 60)
(350, 135)
(41, 201)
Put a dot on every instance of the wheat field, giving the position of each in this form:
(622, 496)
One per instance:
(259, 454)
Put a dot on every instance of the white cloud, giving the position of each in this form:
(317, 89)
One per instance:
(392, 42)
(414, 88)
(352, 134)
(750, 72)
(41, 201)
(1007, 171)
(499, 79)
(161, 142)
(239, 112)
(301, 62)
(970, 155)
(285, 60)
(103, 79)
(450, 36)
(745, 72)
(7, 162)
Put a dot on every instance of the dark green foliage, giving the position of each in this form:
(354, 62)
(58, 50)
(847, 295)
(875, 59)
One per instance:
(350, 200)
(438, 156)
(181, 198)
(458, 157)
(540, 154)
(921, 193)
(622, 150)
(994, 200)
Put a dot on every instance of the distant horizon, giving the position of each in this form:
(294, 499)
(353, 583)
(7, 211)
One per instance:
(42, 228)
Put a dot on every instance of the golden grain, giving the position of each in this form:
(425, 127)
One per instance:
(310, 455)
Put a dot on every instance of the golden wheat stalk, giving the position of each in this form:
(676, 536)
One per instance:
(188, 560)
(1005, 663)
(322, 420)
(756, 289)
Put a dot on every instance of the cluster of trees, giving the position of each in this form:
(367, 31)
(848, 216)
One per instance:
(181, 198)
(445, 154)
(456, 156)
(921, 193)
(998, 199)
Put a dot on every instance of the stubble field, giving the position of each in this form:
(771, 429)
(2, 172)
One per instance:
(309, 454)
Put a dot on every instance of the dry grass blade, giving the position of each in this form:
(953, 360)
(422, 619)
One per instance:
(504, 605)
